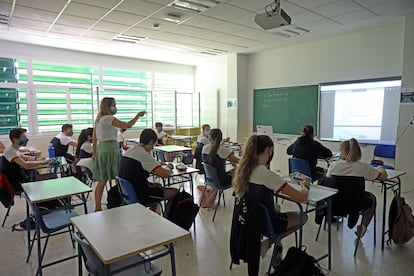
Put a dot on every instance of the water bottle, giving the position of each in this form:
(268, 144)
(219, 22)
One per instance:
(51, 151)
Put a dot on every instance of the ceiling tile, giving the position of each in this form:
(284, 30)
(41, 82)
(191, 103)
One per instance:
(76, 21)
(123, 18)
(205, 22)
(337, 8)
(321, 25)
(5, 8)
(206, 34)
(184, 30)
(305, 18)
(368, 3)
(142, 32)
(54, 6)
(170, 36)
(182, 14)
(230, 28)
(100, 34)
(161, 2)
(256, 5)
(110, 27)
(139, 7)
(77, 9)
(355, 17)
(291, 9)
(162, 24)
(29, 24)
(34, 14)
(70, 30)
(226, 12)
(255, 35)
(396, 7)
(107, 4)
(310, 4)
(239, 41)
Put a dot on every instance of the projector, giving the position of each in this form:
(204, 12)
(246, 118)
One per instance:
(272, 20)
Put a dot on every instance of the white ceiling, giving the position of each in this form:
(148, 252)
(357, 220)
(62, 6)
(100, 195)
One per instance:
(92, 24)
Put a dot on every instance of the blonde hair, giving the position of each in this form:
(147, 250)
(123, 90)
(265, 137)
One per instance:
(256, 145)
(352, 149)
(104, 107)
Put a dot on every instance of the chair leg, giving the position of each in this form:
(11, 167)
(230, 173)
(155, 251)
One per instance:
(218, 203)
(296, 239)
(375, 229)
(31, 243)
(356, 246)
(44, 248)
(71, 230)
(224, 199)
(319, 230)
(8, 212)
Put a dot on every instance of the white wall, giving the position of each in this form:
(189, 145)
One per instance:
(371, 53)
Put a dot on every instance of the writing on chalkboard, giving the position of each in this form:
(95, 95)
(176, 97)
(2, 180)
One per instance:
(275, 97)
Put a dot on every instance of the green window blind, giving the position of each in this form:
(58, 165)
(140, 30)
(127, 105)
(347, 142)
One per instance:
(9, 105)
(80, 108)
(117, 77)
(52, 109)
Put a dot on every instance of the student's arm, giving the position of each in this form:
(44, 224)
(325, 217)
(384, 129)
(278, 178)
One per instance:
(289, 150)
(232, 158)
(73, 143)
(120, 124)
(382, 175)
(298, 195)
(123, 146)
(2, 147)
(29, 164)
(94, 143)
(162, 172)
(31, 158)
(323, 152)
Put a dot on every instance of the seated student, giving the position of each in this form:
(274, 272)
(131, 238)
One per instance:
(2, 147)
(351, 166)
(62, 141)
(84, 148)
(121, 139)
(254, 181)
(161, 134)
(136, 166)
(14, 163)
(203, 137)
(305, 147)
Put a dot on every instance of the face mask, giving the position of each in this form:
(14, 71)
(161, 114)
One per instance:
(113, 110)
(206, 133)
(24, 142)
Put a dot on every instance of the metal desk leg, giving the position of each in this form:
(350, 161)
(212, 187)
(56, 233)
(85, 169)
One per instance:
(192, 193)
(329, 233)
(384, 210)
(28, 227)
(85, 206)
(172, 256)
(80, 272)
(107, 270)
(39, 246)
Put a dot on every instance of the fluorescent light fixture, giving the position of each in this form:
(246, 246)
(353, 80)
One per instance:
(292, 32)
(172, 17)
(196, 6)
(282, 34)
(4, 19)
(302, 29)
(214, 52)
(128, 38)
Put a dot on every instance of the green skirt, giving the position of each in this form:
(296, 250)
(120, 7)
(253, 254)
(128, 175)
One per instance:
(106, 165)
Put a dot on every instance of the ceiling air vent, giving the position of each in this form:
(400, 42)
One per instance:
(291, 31)
(195, 6)
(214, 52)
(4, 19)
(128, 38)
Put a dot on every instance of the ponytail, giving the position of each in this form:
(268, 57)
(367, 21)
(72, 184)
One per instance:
(352, 149)
(216, 137)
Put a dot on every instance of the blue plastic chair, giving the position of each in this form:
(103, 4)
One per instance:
(133, 265)
(127, 191)
(299, 165)
(213, 180)
(384, 151)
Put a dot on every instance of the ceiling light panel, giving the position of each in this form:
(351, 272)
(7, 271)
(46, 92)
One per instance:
(196, 6)
(77, 9)
(128, 38)
(139, 7)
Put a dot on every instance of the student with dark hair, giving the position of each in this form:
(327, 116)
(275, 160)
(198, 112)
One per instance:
(161, 134)
(62, 141)
(106, 154)
(84, 148)
(14, 163)
(203, 137)
(352, 166)
(136, 166)
(305, 147)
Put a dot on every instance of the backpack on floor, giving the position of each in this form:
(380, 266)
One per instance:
(183, 210)
(400, 221)
(114, 197)
(298, 263)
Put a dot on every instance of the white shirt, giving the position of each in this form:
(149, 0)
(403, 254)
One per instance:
(64, 140)
(161, 134)
(263, 176)
(86, 147)
(11, 153)
(222, 152)
(345, 168)
(104, 129)
(139, 154)
(203, 139)
(120, 137)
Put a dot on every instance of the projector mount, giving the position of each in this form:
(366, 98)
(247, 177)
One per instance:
(272, 8)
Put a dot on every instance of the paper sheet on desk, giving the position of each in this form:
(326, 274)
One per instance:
(316, 192)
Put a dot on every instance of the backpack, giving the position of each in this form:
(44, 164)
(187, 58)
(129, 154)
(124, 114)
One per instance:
(298, 263)
(114, 197)
(400, 221)
(21, 226)
(183, 210)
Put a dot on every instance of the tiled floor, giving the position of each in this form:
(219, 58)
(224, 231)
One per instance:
(207, 251)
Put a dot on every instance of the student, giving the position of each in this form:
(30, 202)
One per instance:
(161, 134)
(203, 137)
(305, 147)
(84, 148)
(2, 147)
(106, 155)
(14, 163)
(136, 166)
(121, 139)
(352, 166)
(62, 141)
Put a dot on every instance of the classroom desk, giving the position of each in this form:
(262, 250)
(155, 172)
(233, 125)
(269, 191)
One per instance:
(128, 230)
(53, 167)
(171, 149)
(182, 139)
(134, 141)
(47, 190)
(317, 194)
(393, 182)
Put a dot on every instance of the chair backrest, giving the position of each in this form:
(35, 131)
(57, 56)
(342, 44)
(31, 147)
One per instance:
(386, 151)
(127, 191)
(92, 262)
(268, 229)
(160, 156)
(299, 165)
(211, 176)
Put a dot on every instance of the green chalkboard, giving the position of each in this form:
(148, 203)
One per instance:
(287, 109)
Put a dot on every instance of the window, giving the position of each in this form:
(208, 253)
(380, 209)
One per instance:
(9, 104)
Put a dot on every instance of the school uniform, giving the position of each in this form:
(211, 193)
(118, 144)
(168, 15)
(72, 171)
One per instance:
(61, 144)
(106, 166)
(160, 136)
(219, 162)
(14, 173)
(86, 150)
(202, 139)
(136, 166)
